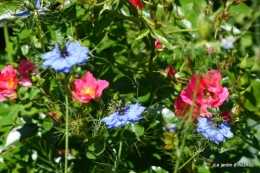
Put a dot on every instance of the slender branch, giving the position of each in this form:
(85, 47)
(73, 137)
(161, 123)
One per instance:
(6, 34)
(182, 30)
(67, 133)
(118, 156)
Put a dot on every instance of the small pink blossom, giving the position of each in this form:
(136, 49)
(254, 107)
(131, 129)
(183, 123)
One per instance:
(8, 83)
(158, 44)
(137, 3)
(88, 88)
(24, 68)
(169, 70)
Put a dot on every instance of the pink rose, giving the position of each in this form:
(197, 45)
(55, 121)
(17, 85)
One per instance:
(88, 88)
(8, 83)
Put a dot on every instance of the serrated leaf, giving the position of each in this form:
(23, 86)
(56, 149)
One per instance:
(142, 33)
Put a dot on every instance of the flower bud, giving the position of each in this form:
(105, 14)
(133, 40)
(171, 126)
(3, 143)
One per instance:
(204, 27)
(169, 5)
(71, 79)
(34, 78)
(226, 116)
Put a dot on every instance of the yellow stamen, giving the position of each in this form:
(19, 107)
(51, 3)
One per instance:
(10, 83)
(89, 91)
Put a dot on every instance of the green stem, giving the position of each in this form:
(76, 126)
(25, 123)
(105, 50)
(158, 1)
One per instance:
(186, 129)
(6, 34)
(190, 158)
(118, 156)
(176, 168)
(182, 30)
(67, 133)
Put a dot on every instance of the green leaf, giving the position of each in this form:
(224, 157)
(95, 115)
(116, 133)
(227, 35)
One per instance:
(90, 155)
(18, 134)
(137, 129)
(95, 149)
(155, 169)
(161, 36)
(203, 169)
(8, 113)
(143, 95)
(252, 102)
(25, 34)
(104, 22)
(70, 13)
(7, 9)
(142, 33)
(25, 49)
(10, 48)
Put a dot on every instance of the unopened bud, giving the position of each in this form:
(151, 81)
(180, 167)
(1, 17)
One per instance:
(204, 27)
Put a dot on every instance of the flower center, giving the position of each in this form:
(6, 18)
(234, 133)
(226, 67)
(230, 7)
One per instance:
(122, 110)
(89, 91)
(213, 125)
(208, 96)
(63, 52)
(11, 83)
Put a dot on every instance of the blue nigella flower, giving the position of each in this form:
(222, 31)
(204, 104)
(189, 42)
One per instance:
(126, 115)
(215, 132)
(227, 43)
(61, 60)
(26, 12)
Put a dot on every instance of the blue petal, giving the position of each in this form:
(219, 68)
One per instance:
(208, 129)
(23, 14)
(134, 112)
(55, 53)
(60, 65)
(47, 63)
(37, 4)
(77, 53)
